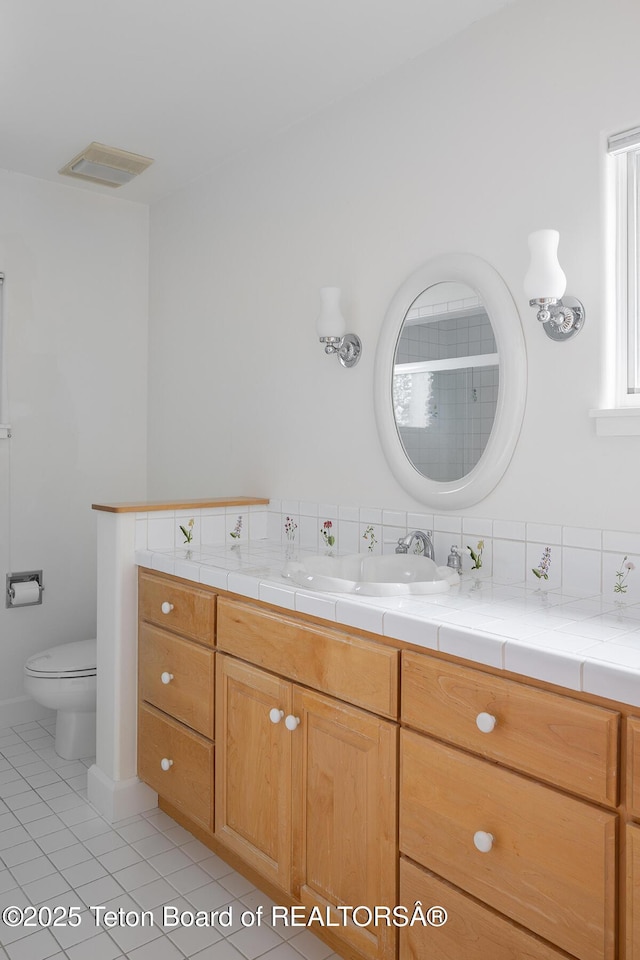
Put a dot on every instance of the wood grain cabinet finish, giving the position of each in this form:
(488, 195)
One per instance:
(344, 666)
(549, 736)
(551, 866)
(177, 764)
(632, 888)
(176, 676)
(314, 805)
(470, 932)
(176, 693)
(633, 766)
(344, 813)
(311, 805)
(253, 768)
(183, 609)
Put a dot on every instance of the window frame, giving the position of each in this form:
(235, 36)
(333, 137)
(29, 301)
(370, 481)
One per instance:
(624, 151)
(621, 418)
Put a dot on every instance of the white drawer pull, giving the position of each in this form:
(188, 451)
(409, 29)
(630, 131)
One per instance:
(485, 722)
(482, 841)
(166, 764)
(276, 715)
(166, 677)
(166, 607)
(291, 722)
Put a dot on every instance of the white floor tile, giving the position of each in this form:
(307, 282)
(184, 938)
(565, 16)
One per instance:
(119, 859)
(39, 946)
(46, 889)
(155, 894)
(56, 850)
(136, 876)
(161, 949)
(169, 862)
(33, 870)
(20, 852)
(102, 948)
(104, 842)
(99, 891)
(56, 840)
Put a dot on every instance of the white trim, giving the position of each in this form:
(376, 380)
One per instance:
(512, 390)
(22, 710)
(118, 799)
(624, 154)
(621, 142)
(617, 422)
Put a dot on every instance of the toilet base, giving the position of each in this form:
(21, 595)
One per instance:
(75, 735)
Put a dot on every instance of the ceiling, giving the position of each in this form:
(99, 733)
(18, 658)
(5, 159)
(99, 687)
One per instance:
(191, 83)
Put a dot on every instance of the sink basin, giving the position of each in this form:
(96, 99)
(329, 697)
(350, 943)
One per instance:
(388, 576)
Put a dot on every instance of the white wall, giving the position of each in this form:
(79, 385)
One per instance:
(76, 266)
(468, 148)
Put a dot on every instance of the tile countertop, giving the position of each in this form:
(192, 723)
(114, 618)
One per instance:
(589, 643)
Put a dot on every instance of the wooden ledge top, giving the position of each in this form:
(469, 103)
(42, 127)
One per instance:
(150, 505)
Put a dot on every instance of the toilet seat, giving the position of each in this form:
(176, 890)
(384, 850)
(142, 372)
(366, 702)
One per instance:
(65, 661)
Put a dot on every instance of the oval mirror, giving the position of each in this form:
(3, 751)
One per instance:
(450, 381)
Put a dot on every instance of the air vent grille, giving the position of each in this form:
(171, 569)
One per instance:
(106, 165)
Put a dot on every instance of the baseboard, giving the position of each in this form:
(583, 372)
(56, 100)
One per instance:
(118, 799)
(22, 710)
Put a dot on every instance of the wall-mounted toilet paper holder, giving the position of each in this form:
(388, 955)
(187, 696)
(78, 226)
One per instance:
(24, 589)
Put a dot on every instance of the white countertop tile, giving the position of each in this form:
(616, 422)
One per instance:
(589, 643)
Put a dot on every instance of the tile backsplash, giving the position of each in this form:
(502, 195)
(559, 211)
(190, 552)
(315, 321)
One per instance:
(584, 560)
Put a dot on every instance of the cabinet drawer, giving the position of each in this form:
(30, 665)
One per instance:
(347, 667)
(191, 610)
(552, 863)
(188, 668)
(188, 783)
(471, 932)
(555, 738)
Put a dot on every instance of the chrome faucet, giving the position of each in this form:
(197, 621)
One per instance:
(404, 543)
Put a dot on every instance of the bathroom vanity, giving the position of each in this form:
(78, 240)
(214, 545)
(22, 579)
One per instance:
(339, 768)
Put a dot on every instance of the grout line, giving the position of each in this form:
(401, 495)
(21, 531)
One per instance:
(155, 820)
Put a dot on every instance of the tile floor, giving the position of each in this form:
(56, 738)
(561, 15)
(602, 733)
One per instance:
(56, 851)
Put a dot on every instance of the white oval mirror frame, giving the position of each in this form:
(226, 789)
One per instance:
(512, 390)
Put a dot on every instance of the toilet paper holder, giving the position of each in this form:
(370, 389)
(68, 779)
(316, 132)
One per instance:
(26, 577)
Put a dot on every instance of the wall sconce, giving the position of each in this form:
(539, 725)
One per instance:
(545, 284)
(332, 329)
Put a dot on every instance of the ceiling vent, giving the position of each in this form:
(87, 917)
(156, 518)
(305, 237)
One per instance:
(106, 165)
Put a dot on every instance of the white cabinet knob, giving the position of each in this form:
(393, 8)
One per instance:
(166, 607)
(276, 715)
(166, 764)
(485, 722)
(482, 841)
(166, 677)
(291, 722)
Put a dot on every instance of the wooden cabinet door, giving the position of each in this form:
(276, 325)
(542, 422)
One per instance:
(344, 814)
(633, 891)
(253, 767)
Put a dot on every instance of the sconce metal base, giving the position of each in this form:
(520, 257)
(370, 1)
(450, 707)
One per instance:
(347, 348)
(561, 319)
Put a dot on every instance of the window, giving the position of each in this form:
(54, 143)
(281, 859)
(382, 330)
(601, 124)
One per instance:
(622, 418)
(624, 148)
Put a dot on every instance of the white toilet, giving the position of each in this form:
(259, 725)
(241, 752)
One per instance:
(64, 679)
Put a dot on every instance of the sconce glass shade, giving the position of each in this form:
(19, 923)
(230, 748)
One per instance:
(545, 279)
(330, 322)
